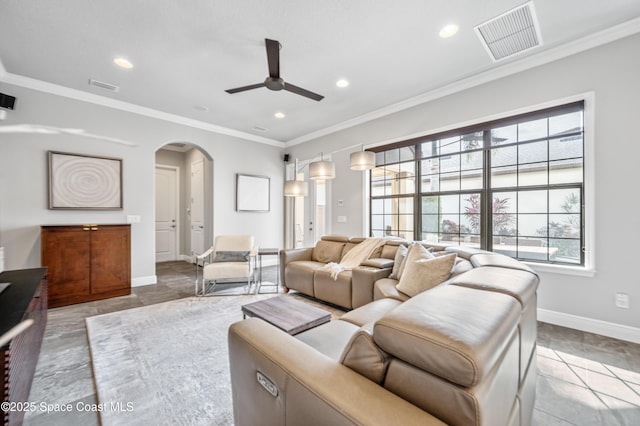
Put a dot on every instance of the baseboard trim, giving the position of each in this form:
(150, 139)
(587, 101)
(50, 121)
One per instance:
(590, 325)
(142, 281)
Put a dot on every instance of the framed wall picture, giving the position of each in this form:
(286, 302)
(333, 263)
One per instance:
(83, 182)
(252, 193)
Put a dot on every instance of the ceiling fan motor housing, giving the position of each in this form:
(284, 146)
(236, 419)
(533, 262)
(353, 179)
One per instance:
(273, 83)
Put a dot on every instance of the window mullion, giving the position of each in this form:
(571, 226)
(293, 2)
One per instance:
(485, 197)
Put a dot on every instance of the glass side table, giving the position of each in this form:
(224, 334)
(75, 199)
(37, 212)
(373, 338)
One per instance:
(268, 252)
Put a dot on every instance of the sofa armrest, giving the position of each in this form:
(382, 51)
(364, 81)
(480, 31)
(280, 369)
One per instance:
(291, 255)
(362, 280)
(278, 380)
(378, 263)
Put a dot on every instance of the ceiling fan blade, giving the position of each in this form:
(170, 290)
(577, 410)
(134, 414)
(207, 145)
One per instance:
(304, 92)
(243, 88)
(273, 57)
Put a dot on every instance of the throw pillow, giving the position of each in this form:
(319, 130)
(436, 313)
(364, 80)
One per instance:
(231, 256)
(401, 253)
(416, 251)
(423, 274)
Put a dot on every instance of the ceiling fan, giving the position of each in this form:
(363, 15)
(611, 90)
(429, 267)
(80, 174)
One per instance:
(274, 81)
(50, 130)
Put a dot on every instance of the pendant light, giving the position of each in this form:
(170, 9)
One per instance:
(322, 170)
(296, 188)
(362, 160)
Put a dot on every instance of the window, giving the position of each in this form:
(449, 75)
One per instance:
(514, 186)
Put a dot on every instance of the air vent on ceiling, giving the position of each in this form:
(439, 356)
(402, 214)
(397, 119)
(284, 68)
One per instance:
(510, 33)
(260, 129)
(103, 85)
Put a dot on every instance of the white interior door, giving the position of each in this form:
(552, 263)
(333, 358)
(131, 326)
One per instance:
(166, 213)
(307, 218)
(197, 207)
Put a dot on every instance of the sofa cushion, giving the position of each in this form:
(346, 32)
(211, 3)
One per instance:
(337, 238)
(390, 248)
(519, 284)
(423, 274)
(500, 260)
(386, 288)
(361, 354)
(330, 338)
(299, 275)
(328, 251)
(461, 266)
(456, 333)
(401, 253)
(378, 263)
(347, 247)
(336, 291)
(415, 252)
(370, 312)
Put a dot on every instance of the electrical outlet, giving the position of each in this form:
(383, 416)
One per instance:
(622, 300)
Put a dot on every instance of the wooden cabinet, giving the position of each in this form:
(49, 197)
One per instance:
(25, 298)
(86, 262)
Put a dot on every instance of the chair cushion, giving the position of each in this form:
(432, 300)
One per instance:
(224, 270)
(231, 256)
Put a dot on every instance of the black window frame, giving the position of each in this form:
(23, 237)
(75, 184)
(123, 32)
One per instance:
(487, 192)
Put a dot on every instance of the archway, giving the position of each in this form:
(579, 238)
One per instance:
(183, 201)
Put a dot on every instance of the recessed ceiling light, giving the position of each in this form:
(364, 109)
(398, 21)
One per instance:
(448, 31)
(279, 115)
(122, 63)
(342, 83)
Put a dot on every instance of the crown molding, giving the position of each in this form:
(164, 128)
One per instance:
(55, 89)
(589, 42)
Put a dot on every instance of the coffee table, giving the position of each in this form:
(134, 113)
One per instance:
(287, 313)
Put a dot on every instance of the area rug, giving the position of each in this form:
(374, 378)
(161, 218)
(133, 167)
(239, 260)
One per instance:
(165, 364)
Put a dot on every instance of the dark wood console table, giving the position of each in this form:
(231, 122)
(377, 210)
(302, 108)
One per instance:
(86, 262)
(25, 298)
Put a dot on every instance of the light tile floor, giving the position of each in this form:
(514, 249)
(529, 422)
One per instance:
(583, 378)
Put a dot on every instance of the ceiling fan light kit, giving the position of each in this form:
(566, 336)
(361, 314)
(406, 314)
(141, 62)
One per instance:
(274, 81)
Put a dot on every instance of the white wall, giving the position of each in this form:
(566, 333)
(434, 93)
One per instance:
(611, 73)
(23, 176)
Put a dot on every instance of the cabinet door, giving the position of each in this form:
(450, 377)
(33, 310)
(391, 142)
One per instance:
(66, 252)
(110, 259)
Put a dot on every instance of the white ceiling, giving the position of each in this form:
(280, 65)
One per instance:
(186, 53)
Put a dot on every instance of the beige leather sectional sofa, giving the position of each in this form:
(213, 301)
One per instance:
(461, 353)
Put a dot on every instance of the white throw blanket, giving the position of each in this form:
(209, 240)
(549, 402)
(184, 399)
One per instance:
(354, 257)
